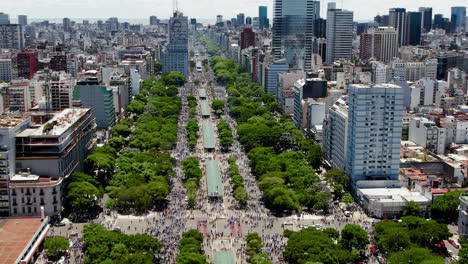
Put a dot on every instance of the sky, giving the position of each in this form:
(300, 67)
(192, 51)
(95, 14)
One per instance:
(364, 10)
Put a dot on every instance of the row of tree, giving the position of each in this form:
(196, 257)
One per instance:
(254, 250)
(135, 167)
(103, 246)
(192, 132)
(211, 48)
(281, 158)
(190, 249)
(193, 174)
(225, 134)
(237, 182)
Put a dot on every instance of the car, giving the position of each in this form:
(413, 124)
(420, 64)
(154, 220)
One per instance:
(60, 224)
(116, 229)
(347, 213)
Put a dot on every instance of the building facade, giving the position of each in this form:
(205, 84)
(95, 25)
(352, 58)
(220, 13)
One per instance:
(11, 36)
(375, 119)
(175, 57)
(339, 34)
(293, 29)
(97, 97)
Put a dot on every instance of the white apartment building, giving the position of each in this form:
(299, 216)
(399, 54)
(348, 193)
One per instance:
(427, 134)
(375, 116)
(335, 134)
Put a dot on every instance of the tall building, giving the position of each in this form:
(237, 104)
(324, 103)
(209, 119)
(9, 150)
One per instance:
(426, 22)
(397, 19)
(247, 38)
(11, 36)
(458, 18)
(375, 118)
(10, 126)
(248, 21)
(175, 57)
(219, 19)
(4, 19)
(335, 131)
(438, 21)
(414, 28)
(60, 93)
(58, 62)
(379, 43)
(320, 28)
(263, 17)
(271, 75)
(22, 20)
(93, 95)
(339, 34)
(66, 24)
(27, 65)
(6, 70)
(240, 19)
(153, 20)
(293, 30)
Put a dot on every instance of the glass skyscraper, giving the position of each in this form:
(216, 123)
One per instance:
(458, 18)
(293, 30)
(263, 17)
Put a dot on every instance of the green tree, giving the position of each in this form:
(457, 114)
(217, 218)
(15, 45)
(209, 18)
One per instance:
(411, 209)
(241, 195)
(55, 246)
(116, 142)
(444, 209)
(217, 105)
(121, 130)
(173, 78)
(354, 237)
(157, 67)
(136, 107)
(347, 198)
(416, 256)
(82, 195)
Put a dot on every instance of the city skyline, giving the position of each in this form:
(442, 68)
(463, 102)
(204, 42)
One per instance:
(74, 9)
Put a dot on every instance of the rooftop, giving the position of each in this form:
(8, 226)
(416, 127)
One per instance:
(11, 120)
(401, 194)
(58, 124)
(15, 234)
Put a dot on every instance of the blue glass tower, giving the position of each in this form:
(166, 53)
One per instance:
(263, 17)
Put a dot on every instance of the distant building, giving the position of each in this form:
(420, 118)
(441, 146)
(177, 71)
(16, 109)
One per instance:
(60, 93)
(374, 132)
(27, 65)
(426, 22)
(293, 31)
(339, 34)
(380, 44)
(458, 18)
(304, 89)
(247, 38)
(11, 36)
(22, 20)
(240, 19)
(248, 21)
(19, 97)
(4, 19)
(153, 20)
(6, 70)
(271, 75)
(97, 97)
(398, 20)
(263, 17)
(175, 57)
(58, 62)
(320, 28)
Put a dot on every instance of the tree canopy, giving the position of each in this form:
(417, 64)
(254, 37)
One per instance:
(55, 246)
